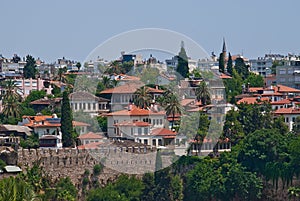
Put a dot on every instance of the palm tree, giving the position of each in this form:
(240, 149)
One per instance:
(142, 97)
(16, 189)
(60, 73)
(203, 94)
(173, 107)
(164, 99)
(11, 99)
(106, 82)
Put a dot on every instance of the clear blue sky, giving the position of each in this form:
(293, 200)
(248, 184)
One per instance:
(56, 28)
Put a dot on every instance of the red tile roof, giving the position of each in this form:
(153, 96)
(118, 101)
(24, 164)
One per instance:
(136, 124)
(135, 111)
(43, 121)
(281, 102)
(224, 76)
(90, 135)
(252, 100)
(127, 88)
(285, 89)
(163, 132)
(93, 145)
(288, 111)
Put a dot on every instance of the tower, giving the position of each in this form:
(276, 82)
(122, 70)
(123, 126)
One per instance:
(224, 50)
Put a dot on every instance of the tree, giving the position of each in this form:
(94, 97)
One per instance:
(233, 129)
(106, 81)
(264, 151)
(60, 73)
(222, 63)
(16, 58)
(233, 87)
(182, 66)
(202, 93)
(66, 122)
(296, 126)
(204, 181)
(255, 80)
(142, 97)
(229, 64)
(16, 189)
(78, 65)
(102, 122)
(149, 186)
(241, 68)
(29, 70)
(11, 99)
(65, 190)
(173, 107)
(149, 75)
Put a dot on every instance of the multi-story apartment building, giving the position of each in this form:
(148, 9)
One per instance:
(262, 66)
(289, 73)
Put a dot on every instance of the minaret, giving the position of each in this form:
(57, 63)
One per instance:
(224, 47)
(224, 51)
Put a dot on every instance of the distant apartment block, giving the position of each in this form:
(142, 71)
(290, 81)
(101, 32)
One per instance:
(289, 74)
(25, 86)
(261, 66)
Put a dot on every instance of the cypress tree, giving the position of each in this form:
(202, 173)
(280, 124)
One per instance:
(29, 70)
(66, 121)
(229, 64)
(221, 63)
(182, 66)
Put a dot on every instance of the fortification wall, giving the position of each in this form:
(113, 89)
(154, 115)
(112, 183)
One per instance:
(72, 163)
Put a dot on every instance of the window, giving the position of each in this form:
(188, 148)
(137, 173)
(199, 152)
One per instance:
(80, 106)
(146, 131)
(89, 106)
(94, 106)
(287, 119)
(160, 122)
(145, 141)
(140, 131)
(282, 72)
(282, 79)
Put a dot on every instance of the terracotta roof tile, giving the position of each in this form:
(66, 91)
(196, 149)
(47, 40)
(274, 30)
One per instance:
(163, 132)
(90, 135)
(135, 111)
(288, 111)
(252, 100)
(137, 123)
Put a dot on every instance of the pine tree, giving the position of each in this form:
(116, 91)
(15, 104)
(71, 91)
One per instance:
(229, 64)
(182, 66)
(221, 63)
(66, 121)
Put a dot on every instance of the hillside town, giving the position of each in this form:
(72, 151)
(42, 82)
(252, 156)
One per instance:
(136, 104)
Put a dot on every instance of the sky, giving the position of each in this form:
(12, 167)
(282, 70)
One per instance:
(69, 28)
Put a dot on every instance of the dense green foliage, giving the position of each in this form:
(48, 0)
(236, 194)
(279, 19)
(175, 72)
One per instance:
(222, 62)
(182, 66)
(66, 122)
(30, 70)
(229, 64)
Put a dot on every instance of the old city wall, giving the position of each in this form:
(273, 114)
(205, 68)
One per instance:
(58, 163)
